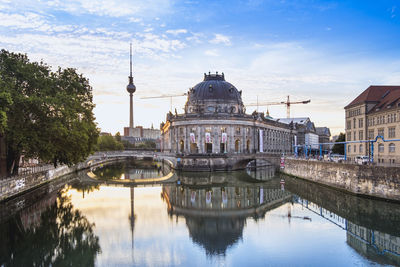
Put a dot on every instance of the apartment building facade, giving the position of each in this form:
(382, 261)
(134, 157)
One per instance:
(375, 112)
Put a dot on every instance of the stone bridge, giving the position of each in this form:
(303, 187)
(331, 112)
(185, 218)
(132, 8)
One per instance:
(200, 162)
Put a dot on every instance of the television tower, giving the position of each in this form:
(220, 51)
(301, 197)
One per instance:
(131, 88)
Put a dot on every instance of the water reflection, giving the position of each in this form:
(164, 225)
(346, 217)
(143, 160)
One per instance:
(130, 170)
(215, 215)
(49, 233)
(372, 226)
(229, 218)
(263, 173)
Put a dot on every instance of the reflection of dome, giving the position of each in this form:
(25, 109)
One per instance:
(216, 215)
(214, 87)
(215, 234)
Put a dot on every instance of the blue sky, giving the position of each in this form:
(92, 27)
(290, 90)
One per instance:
(326, 51)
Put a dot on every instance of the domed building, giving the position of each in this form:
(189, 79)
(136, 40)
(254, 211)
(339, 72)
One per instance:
(215, 125)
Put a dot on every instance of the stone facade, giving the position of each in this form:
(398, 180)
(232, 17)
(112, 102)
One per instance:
(141, 132)
(215, 122)
(375, 112)
(376, 181)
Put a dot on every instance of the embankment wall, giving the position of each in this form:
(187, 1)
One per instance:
(374, 181)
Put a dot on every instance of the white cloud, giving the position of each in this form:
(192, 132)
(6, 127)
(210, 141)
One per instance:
(31, 21)
(111, 8)
(196, 38)
(135, 20)
(221, 39)
(177, 31)
(211, 52)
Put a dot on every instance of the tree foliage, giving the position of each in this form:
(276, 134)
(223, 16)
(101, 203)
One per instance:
(50, 114)
(108, 143)
(339, 148)
(61, 236)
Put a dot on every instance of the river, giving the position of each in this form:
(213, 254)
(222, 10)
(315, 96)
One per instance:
(195, 219)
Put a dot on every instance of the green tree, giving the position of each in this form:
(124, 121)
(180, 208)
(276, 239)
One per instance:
(108, 143)
(118, 137)
(51, 115)
(62, 236)
(5, 103)
(339, 148)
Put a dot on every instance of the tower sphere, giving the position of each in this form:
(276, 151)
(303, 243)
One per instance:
(131, 88)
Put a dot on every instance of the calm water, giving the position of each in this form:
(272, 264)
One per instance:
(198, 219)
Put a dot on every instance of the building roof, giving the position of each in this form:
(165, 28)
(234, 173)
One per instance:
(323, 131)
(389, 100)
(214, 87)
(375, 94)
(302, 120)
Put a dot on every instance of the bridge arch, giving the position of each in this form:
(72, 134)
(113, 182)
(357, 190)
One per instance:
(243, 163)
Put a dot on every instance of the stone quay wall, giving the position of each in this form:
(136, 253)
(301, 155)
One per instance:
(369, 180)
(16, 185)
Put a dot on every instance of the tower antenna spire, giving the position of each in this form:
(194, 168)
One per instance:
(130, 55)
(131, 88)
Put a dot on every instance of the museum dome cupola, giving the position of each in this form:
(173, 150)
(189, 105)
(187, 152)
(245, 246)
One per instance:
(214, 95)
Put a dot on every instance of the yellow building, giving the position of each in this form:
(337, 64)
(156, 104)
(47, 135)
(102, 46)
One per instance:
(375, 112)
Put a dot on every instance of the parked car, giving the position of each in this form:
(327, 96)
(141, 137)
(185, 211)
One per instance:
(362, 160)
(337, 158)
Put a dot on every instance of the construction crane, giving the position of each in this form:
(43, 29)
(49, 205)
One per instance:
(165, 96)
(287, 103)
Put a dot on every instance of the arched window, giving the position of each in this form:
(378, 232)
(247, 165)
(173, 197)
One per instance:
(361, 148)
(237, 146)
(182, 146)
(381, 148)
(392, 147)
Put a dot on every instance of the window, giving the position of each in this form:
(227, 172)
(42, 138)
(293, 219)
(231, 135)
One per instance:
(361, 148)
(348, 125)
(208, 129)
(360, 135)
(237, 130)
(248, 131)
(223, 129)
(348, 136)
(371, 134)
(381, 132)
(193, 130)
(354, 123)
(349, 148)
(392, 132)
(355, 148)
(360, 123)
(392, 147)
(381, 148)
(181, 131)
(210, 109)
(355, 136)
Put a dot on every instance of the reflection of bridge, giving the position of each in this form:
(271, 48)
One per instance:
(196, 162)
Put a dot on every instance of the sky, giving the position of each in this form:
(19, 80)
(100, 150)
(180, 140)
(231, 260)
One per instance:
(326, 51)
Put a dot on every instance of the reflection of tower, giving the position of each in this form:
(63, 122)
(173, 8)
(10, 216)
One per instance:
(131, 88)
(132, 216)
